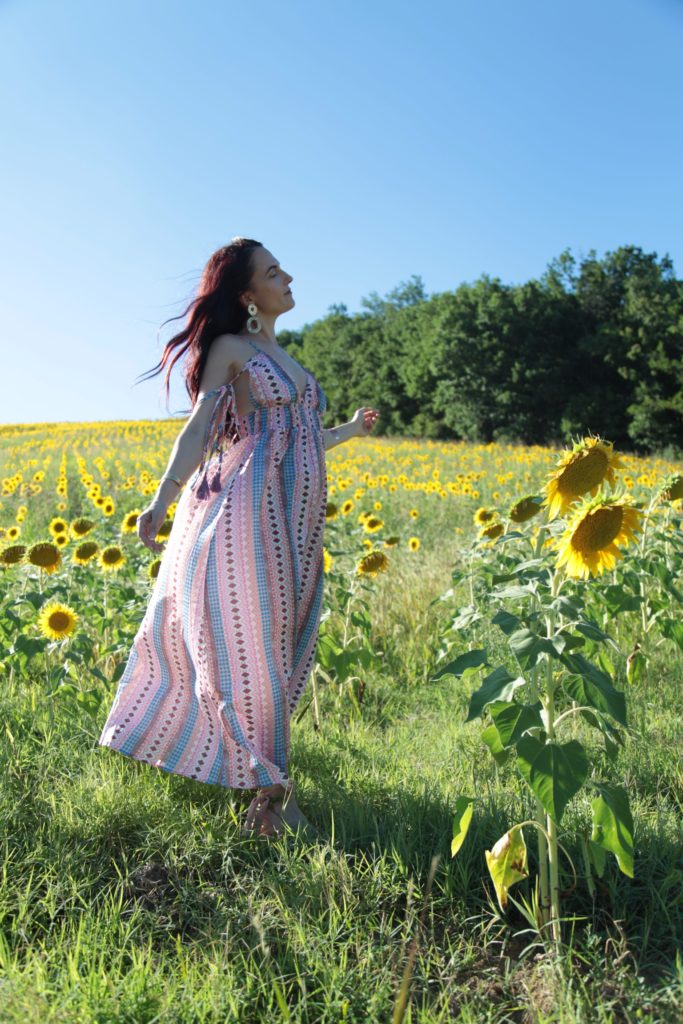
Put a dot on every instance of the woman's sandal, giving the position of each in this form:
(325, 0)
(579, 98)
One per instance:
(264, 821)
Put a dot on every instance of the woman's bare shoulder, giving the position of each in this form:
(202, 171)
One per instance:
(230, 351)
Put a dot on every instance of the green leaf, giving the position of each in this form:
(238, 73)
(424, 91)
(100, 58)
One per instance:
(590, 685)
(554, 771)
(564, 606)
(512, 720)
(464, 806)
(592, 630)
(466, 616)
(464, 662)
(598, 857)
(493, 742)
(611, 735)
(665, 577)
(672, 629)
(527, 647)
(613, 824)
(498, 685)
(506, 620)
(507, 863)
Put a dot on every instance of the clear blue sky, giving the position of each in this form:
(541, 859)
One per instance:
(362, 142)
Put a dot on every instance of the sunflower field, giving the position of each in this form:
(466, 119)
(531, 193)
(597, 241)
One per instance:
(491, 741)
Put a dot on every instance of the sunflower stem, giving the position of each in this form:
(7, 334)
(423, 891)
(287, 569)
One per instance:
(552, 851)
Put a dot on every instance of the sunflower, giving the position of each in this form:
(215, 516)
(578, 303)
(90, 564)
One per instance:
(331, 510)
(45, 555)
(153, 570)
(13, 532)
(372, 563)
(483, 515)
(57, 620)
(372, 524)
(413, 543)
(391, 542)
(413, 513)
(490, 532)
(526, 508)
(81, 526)
(347, 506)
(590, 544)
(112, 558)
(108, 507)
(130, 521)
(58, 527)
(327, 560)
(13, 554)
(165, 528)
(85, 552)
(580, 471)
(61, 540)
(672, 488)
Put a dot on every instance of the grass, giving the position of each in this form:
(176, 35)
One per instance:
(129, 894)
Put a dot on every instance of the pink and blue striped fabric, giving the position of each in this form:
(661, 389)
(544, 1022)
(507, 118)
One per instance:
(228, 639)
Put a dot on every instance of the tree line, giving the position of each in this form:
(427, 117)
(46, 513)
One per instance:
(590, 347)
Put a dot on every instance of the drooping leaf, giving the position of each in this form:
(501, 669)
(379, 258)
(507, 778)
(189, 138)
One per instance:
(613, 824)
(527, 647)
(464, 807)
(506, 620)
(507, 863)
(493, 742)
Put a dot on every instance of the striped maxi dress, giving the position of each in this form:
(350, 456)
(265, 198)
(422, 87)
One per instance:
(228, 639)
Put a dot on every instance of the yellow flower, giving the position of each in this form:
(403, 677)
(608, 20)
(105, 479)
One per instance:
(13, 532)
(81, 526)
(154, 567)
(327, 560)
(372, 524)
(490, 532)
(58, 526)
(45, 555)
(372, 563)
(413, 513)
(525, 508)
(347, 506)
(331, 510)
(61, 539)
(130, 521)
(413, 543)
(108, 507)
(483, 515)
(672, 488)
(13, 555)
(580, 471)
(164, 529)
(85, 552)
(111, 558)
(57, 620)
(590, 544)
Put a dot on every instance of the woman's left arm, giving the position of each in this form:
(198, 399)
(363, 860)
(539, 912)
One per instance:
(361, 425)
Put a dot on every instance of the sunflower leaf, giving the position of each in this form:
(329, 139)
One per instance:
(613, 824)
(507, 863)
(527, 647)
(464, 807)
(498, 685)
(554, 771)
(492, 739)
(468, 661)
(590, 685)
(512, 720)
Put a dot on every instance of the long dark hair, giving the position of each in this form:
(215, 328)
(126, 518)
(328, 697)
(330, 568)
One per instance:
(215, 310)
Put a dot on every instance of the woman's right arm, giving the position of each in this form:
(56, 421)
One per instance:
(186, 453)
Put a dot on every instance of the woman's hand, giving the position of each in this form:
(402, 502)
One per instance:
(364, 420)
(148, 525)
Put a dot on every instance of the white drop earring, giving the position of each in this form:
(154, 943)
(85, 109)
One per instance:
(252, 309)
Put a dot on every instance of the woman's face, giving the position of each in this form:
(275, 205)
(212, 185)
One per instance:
(269, 287)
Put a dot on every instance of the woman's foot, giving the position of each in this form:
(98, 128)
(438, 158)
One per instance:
(273, 809)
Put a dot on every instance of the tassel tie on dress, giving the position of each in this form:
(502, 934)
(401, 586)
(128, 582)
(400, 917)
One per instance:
(216, 427)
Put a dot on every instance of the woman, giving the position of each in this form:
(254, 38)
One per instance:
(228, 639)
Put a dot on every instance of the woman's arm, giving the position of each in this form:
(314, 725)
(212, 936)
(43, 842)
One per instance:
(336, 435)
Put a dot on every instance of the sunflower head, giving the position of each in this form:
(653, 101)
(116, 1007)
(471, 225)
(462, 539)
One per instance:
(490, 532)
(45, 555)
(327, 560)
(58, 526)
(372, 563)
(112, 558)
(483, 515)
(14, 554)
(85, 552)
(130, 521)
(595, 533)
(526, 508)
(372, 524)
(153, 570)
(81, 526)
(580, 471)
(331, 510)
(672, 488)
(57, 620)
